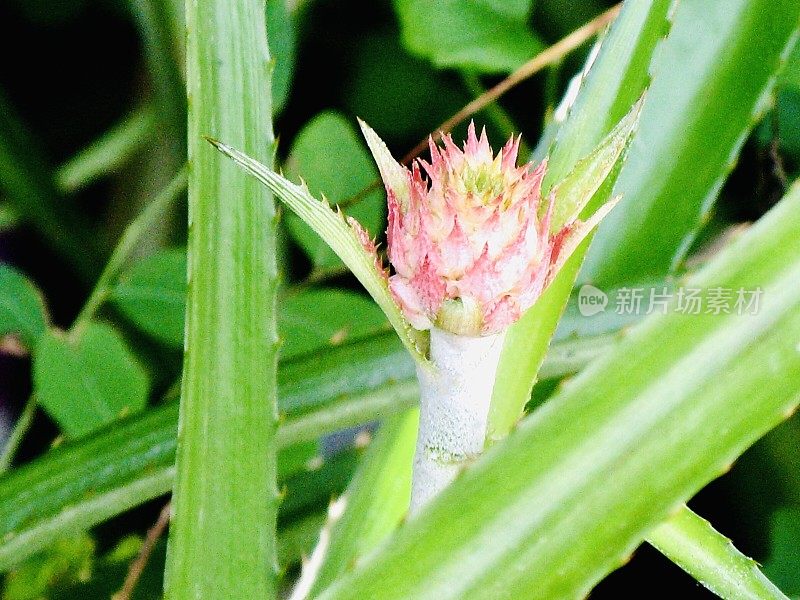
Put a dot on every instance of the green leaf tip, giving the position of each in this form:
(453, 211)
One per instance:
(392, 172)
(345, 237)
(576, 190)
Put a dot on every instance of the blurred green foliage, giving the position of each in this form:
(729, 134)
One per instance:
(152, 294)
(90, 382)
(22, 310)
(783, 564)
(490, 36)
(67, 562)
(75, 164)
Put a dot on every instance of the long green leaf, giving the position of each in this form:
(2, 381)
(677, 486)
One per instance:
(342, 238)
(225, 497)
(671, 80)
(710, 83)
(618, 77)
(692, 543)
(543, 520)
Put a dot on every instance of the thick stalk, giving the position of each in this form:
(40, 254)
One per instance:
(454, 408)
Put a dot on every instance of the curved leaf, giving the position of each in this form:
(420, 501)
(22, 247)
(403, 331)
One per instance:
(342, 171)
(342, 238)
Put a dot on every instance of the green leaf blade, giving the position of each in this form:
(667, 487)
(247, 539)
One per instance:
(152, 294)
(693, 544)
(225, 472)
(709, 85)
(619, 76)
(109, 152)
(89, 382)
(22, 310)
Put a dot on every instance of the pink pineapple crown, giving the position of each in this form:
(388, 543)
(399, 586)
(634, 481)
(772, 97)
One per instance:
(469, 235)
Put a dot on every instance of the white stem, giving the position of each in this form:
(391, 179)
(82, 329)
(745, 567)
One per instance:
(454, 409)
